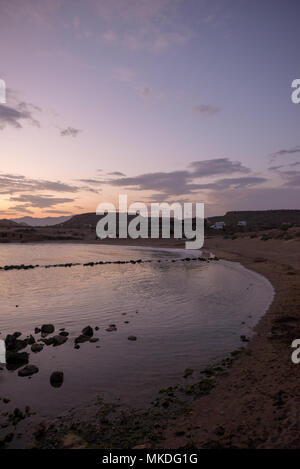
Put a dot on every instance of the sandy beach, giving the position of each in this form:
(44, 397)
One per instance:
(257, 404)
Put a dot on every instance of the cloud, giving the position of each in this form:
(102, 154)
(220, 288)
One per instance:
(11, 184)
(183, 182)
(90, 181)
(39, 201)
(206, 110)
(217, 166)
(70, 132)
(17, 114)
(116, 173)
(227, 183)
(287, 152)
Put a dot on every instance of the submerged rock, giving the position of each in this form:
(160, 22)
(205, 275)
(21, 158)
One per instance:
(13, 344)
(14, 359)
(56, 379)
(88, 331)
(132, 337)
(47, 328)
(81, 338)
(59, 340)
(28, 370)
(36, 348)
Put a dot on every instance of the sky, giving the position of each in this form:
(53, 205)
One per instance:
(162, 100)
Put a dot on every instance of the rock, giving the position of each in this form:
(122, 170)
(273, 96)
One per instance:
(244, 338)
(17, 334)
(13, 344)
(5, 400)
(14, 360)
(36, 348)
(28, 370)
(37, 330)
(132, 337)
(81, 338)
(47, 328)
(59, 340)
(77, 346)
(94, 339)
(30, 340)
(96, 328)
(64, 333)
(49, 341)
(57, 379)
(88, 331)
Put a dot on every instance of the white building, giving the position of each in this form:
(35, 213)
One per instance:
(219, 225)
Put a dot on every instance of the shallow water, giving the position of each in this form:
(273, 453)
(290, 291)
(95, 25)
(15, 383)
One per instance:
(184, 314)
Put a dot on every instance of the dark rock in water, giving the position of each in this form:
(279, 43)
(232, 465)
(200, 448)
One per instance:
(59, 340)
(57, 379)
(96, 328)
(244, 338)
(77, 346)
(81, 338)
(14, 360)
(64, 333)
(36, 348)
(17, 334)
(132, 337)
(28, 370)
(94, 339)
(13, 344)
(88, 331)
(30, 340)
(47, 328)
(49, 341)
(111, 328)
(37, 330)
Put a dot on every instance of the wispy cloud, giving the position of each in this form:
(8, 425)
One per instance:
(185, 181)
(286, 152)
(206, 110)
(70, 132)
(16, 112)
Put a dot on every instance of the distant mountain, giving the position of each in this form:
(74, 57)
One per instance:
(8, 223)
(46, 221)
(85, 219)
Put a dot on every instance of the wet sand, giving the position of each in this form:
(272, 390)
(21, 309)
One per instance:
(257, 404)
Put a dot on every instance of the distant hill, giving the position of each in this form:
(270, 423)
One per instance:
(9, 223)
(85, 219)
(45, 221)
(260, 218)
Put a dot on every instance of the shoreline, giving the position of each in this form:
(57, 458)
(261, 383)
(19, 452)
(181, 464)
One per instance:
(254, 403)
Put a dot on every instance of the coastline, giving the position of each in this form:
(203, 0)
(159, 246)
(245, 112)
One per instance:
(256, 404)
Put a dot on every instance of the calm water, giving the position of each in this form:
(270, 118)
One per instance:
(184, 314)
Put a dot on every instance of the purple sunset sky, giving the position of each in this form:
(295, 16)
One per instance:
(165, 100)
